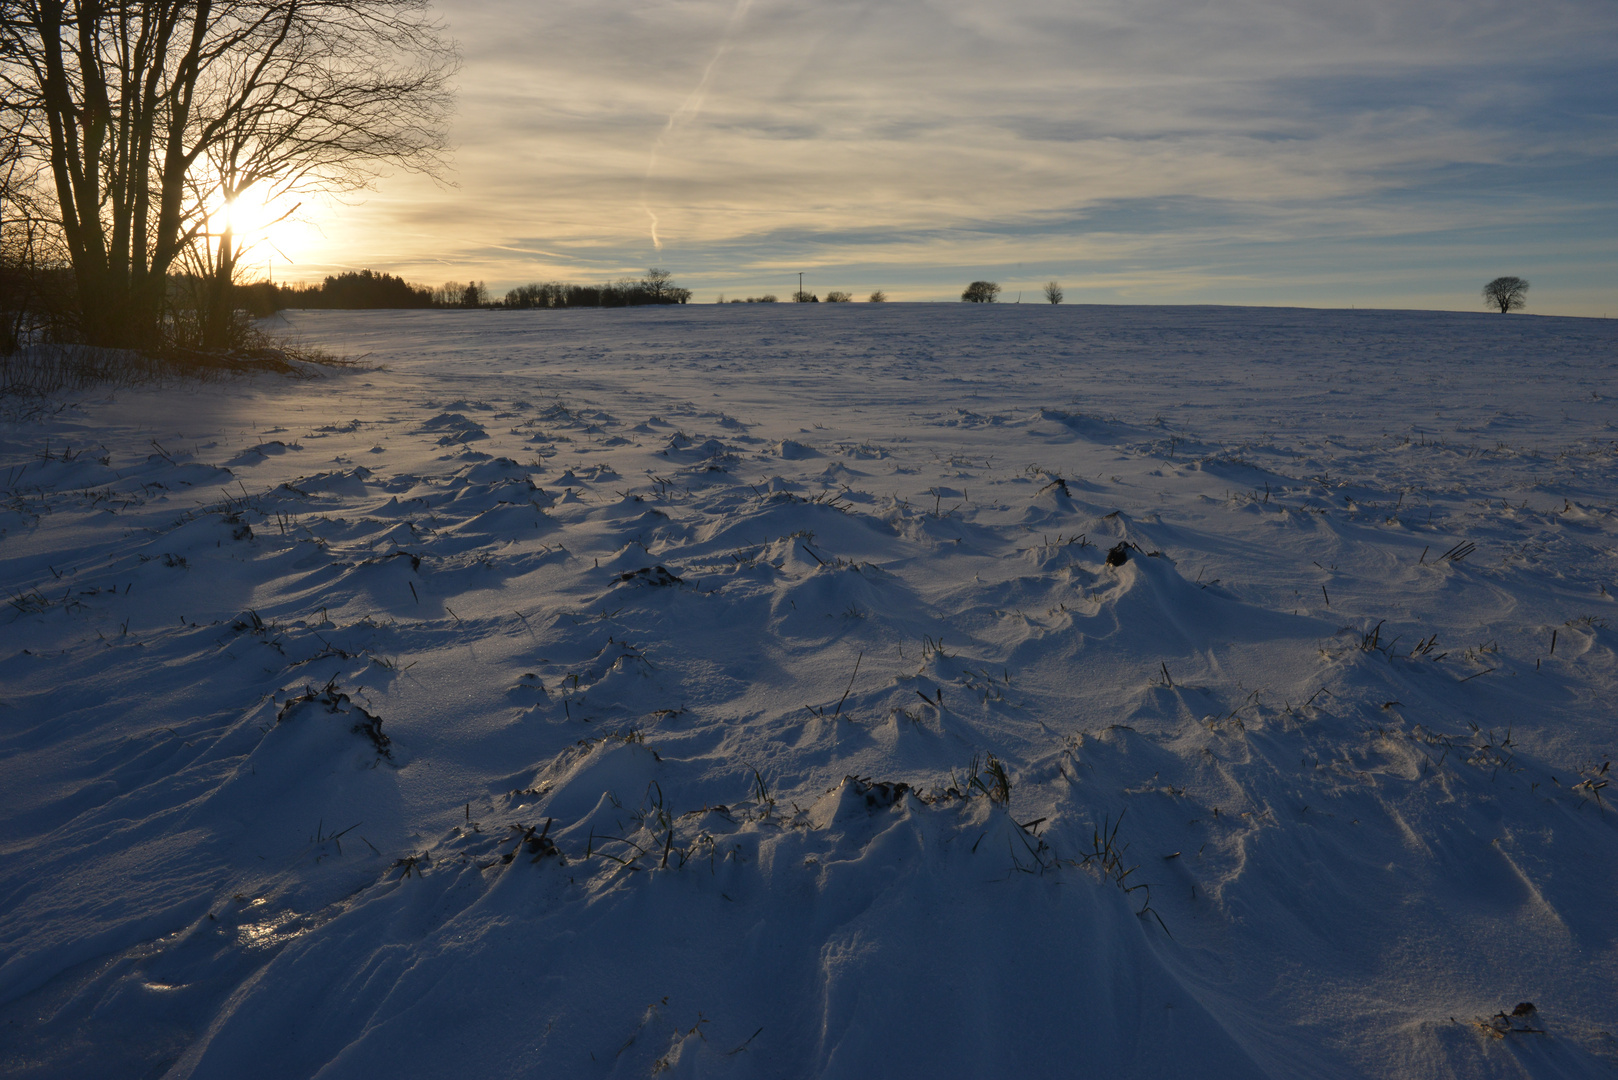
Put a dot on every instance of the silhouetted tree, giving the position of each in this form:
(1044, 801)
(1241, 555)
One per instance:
(981, 292)
(1506, 293)
(879, 297)
(451, 294)
(31, 294)
(1053, 292)
(837, 296)
(149, 116)
(658, 287)
(657, 284)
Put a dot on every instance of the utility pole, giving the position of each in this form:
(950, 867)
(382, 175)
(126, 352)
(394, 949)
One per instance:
(800, 284)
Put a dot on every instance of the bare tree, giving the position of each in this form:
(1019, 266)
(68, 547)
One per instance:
(16, 245)
(1053, 292)
(30, 254)
(152, 116)
(1506, 293)
(879, 297)
(657, 284)
(981, 292)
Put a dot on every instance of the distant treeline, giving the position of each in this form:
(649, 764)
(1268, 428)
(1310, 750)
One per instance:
(657, 287)
(362, 289)
(368, 289)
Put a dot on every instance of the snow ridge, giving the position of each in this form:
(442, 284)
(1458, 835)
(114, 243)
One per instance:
(1112, 691)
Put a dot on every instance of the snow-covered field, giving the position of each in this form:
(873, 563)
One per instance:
(750, 691)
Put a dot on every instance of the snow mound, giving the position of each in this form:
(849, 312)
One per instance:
(1241, 718)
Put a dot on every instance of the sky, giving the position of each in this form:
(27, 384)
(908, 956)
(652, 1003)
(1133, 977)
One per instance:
(1322, 153)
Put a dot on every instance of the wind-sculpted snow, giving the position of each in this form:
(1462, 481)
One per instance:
(1047, 692)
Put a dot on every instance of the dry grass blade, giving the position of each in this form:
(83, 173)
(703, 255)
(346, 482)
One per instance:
(1459, 551)
(849, 687)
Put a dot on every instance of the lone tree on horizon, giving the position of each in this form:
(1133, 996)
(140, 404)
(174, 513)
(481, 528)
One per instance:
(1053, 292)
(981, 292)
(1506, 293)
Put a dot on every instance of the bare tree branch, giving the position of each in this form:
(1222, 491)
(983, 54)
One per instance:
(148, 115)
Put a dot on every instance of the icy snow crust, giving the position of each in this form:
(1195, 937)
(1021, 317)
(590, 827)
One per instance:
(614, 694)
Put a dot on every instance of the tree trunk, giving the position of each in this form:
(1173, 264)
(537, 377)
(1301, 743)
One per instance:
(120, 258)
(218, 297)
(145, 112)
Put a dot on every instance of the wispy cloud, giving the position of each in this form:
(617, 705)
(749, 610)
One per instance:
(918, 141)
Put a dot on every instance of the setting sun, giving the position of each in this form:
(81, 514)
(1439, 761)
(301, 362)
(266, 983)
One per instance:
(254, 221)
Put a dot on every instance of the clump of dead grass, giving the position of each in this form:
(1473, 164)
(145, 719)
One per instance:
(43, 370)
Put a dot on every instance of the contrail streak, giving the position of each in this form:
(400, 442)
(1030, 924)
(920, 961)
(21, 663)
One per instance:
(689, 110)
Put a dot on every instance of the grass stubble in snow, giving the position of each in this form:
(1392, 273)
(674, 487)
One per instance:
(718, 692)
